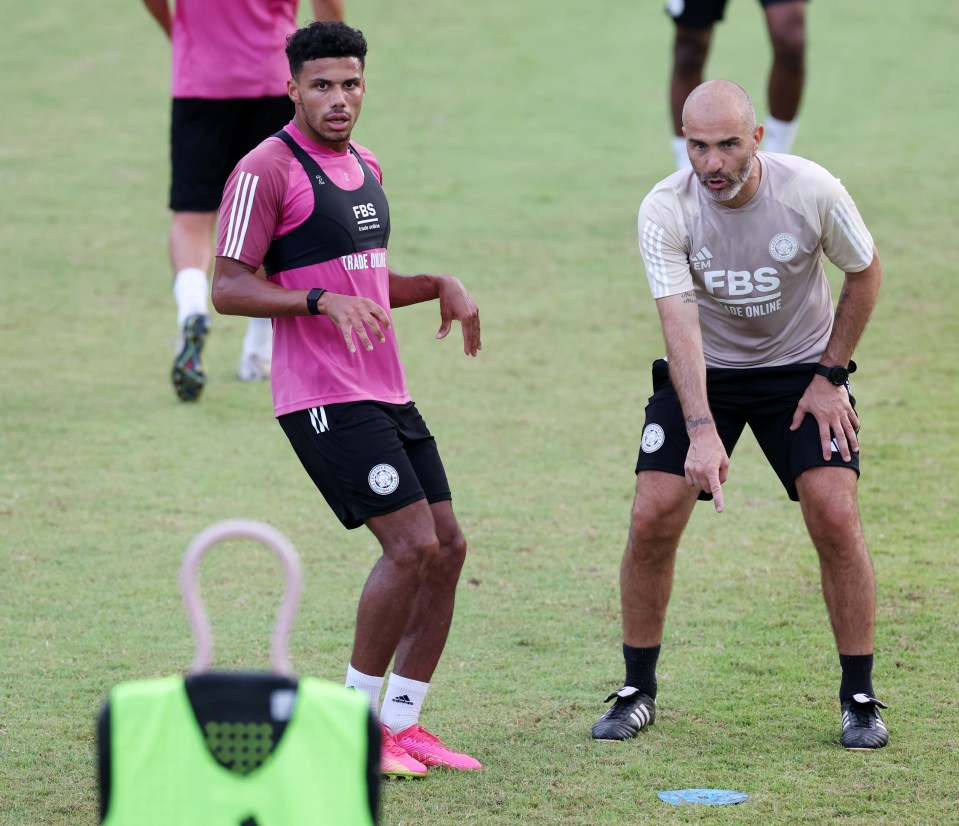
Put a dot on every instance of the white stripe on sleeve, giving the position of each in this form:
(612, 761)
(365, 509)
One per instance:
(240, 214)
(246, 216)
(844, 215)
(232, 223)
(651, 245)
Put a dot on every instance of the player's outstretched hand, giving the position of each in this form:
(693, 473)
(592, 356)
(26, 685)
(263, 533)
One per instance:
(455, 303)
(834, 413)
(351, 313)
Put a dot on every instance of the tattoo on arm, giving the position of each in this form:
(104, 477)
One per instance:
(689, 297)
(692, 424)
(843, 297)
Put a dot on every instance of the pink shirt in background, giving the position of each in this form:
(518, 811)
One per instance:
(231, 48)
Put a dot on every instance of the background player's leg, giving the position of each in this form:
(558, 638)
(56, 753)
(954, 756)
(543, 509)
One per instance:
(191, 240)
(690, 50)
(787, 75)
(191, 253)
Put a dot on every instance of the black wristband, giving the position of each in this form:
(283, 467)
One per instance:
(312, 298)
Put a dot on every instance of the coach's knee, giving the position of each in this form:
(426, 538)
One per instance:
(653, 537)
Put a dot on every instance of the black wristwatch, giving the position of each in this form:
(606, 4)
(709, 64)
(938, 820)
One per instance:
(837, 375)
(312, 298)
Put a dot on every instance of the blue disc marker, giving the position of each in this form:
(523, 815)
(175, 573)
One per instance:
(706, 797)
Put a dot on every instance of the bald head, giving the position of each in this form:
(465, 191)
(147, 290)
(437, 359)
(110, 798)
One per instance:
(722, 138)
(720, 101)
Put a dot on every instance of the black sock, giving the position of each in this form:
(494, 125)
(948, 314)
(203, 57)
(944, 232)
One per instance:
(641, 668)
(856, 675)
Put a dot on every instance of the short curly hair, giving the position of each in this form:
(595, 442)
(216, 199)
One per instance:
(324, 39)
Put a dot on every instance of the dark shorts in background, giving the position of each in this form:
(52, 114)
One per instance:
(208, 138)
(367, 458)
(701, 14)
(764, 398)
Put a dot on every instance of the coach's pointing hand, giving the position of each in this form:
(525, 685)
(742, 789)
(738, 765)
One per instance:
(707, 463)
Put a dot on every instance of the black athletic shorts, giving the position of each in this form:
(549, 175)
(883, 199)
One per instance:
(765, 398)
(367, 458)
(207, 140)
(701, 14)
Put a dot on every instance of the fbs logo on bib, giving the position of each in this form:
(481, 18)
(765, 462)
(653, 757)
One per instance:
(384, 479)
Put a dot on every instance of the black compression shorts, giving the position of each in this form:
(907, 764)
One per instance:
(765, 398)
(367, 458)
(209, 137)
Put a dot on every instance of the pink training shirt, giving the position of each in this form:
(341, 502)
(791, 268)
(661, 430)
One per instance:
(231, 48)
(269, 195)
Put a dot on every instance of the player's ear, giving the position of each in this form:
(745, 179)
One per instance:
(292, 91)
(758, 135)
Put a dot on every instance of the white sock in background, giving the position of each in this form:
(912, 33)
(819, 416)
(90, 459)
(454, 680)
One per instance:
(779, 135)
(259, 337)
(190, 291)
(403, 702)
(680, 153)
(370, 686)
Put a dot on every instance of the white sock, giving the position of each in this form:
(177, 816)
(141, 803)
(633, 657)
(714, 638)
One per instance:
(259, 337)
(680, 153)
(190, 290)
(403, 702)
(370, 686)
(779, 134)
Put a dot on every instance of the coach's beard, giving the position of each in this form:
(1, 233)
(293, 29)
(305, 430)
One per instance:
(736, 182)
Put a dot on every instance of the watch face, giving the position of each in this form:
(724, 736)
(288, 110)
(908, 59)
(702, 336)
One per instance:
(838, 375)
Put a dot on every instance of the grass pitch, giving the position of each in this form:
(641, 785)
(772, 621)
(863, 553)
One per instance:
(517, 141)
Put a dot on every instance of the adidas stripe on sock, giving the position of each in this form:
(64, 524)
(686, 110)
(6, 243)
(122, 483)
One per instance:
(403, 702)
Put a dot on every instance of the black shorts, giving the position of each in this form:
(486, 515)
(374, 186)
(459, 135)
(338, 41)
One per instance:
(701, 14)
(765, 398)
(367, 458)
(207, 140)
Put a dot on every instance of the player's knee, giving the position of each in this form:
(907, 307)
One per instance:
(450, 557)
(789, 50)
(414, 556)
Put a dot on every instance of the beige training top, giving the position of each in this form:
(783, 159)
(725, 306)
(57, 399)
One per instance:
(757, 270)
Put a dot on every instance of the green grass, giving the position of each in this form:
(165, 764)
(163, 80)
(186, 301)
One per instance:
(517, 141)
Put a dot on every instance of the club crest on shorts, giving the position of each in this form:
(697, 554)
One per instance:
(653, 438)
(384, 479)
(784, 246)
